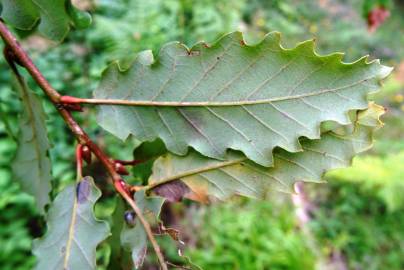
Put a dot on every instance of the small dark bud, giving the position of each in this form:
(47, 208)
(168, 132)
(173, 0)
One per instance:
(73, 107)
(86, 154)
(130, 218)
(119, 168)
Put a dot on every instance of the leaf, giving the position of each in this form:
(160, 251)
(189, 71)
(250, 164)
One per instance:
(31, 165)
(233, 96)
(135, 238)
(73, 231)
(238, 175)
(55, 17)
(149, 150)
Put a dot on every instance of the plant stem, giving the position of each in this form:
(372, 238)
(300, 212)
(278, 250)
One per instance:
(79, 161)
(22, 58)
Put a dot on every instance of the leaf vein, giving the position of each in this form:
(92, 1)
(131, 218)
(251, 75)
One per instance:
(199, 131)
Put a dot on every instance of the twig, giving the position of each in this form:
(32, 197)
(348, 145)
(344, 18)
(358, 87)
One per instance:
(79, 161)
(15, 53)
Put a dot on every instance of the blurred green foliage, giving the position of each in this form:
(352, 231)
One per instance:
(358, 214)
(356, 219)
(256, 236)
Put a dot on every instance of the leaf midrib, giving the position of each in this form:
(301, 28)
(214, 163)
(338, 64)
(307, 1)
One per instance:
(70, 235)
(217, 103)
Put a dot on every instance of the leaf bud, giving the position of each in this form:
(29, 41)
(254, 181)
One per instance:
(119, 168)
(86, 154)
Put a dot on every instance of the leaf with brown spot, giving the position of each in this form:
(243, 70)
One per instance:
(239, 176)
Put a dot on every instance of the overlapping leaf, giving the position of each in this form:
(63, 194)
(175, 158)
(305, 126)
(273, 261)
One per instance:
(55, 17)
(73, 232)
(233, 96)
(237, 175)
(31, 165)
(134, 238)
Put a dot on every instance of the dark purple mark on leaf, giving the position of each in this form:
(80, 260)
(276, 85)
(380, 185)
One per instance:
(83, 190)
(173, 191)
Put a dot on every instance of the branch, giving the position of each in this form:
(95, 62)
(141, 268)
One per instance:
(14, 53)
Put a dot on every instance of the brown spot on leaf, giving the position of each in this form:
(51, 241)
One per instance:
(194, 53)
(173, 191)
(242, 42)
(173, 233)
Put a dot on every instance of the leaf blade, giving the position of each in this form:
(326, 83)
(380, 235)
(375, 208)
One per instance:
(73, 232)
(31, 165)
(55, 17)
(134, 238)
(233, 96)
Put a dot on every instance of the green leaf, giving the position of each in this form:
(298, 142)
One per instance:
(135, 238)
(149, 150)
(233, 96)
(73, 231)
(237, 175)
(22, 14)
(55, 17)
(31, 165)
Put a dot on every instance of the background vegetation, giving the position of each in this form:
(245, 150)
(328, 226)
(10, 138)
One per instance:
(355, 221)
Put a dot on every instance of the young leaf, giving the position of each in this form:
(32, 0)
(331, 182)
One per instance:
(237, 175)
(31, 165)
(134, 238)
(73, 232)
(55, 17)
(233, 96)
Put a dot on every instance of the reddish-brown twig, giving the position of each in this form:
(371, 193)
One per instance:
(15, 53)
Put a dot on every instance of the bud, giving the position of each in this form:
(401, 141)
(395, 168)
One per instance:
(73, 107)
(86, 154)
(119, 168)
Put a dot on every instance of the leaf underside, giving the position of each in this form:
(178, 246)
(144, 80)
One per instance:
(73, 232)
(234, 96)
(238, 176)
(31, 165)
(52, 17)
